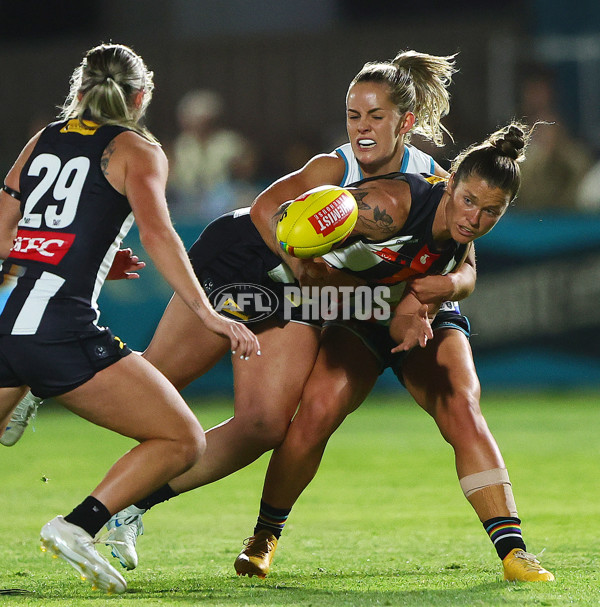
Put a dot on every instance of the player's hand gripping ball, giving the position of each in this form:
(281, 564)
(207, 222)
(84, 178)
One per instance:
(316, 221)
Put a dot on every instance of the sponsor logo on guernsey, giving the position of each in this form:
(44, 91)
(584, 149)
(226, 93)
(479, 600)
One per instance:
(450, 306)
(423, 260)
(332, 216)
(85, 127)
(49, 247)
(387, 254)
(433, 179)
(419, 264)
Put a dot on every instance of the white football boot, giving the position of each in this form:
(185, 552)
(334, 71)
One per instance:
(24, 413)
(123, 531)
(76, 546)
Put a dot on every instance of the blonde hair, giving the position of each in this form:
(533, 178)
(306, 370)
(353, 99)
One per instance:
(418, 83)
(104, 87)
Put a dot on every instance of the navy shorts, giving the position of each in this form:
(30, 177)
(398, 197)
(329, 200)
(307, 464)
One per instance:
(237, 270)
(378, 340)
(54, 365)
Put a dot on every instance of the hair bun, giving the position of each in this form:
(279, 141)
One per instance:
(511, 142)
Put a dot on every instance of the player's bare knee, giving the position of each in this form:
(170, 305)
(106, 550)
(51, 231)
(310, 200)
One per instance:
(270, 432)
(262, 425)
(276, 433)
(190, 445)
(459, 418)
(192, 451)
(318, 418)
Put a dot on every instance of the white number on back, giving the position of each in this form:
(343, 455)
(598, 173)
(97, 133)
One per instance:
(67, 181)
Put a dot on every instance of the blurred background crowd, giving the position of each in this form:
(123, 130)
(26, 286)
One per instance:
(247, 91)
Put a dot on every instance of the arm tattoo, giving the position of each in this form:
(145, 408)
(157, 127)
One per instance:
(378, 222)
(382, 218)
(280, 213)
(108, 152)
(360, 196)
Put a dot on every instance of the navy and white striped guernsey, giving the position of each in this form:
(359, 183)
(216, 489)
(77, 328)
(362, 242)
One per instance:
(73, 223)
(411, 251)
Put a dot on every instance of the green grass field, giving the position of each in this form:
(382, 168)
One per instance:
(384, 522)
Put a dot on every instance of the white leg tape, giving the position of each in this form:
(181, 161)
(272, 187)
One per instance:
(475, 482)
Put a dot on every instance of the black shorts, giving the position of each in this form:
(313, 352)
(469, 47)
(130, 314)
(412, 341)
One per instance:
(54, 365)
(243, 278)
(378, 340)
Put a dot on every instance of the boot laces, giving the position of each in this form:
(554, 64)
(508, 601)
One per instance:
(258, 546)
(108, 540)
(24, 414)
(532, 560)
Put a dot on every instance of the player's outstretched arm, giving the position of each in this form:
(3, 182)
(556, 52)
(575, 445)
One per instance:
(145, 182)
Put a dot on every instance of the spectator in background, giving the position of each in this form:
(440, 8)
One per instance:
(238, 189)
(301, 149)
(556, 160)
(202, 154)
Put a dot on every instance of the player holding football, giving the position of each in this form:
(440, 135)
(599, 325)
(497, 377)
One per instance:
(412, 89)
(422, 215)
(484, 181)
(383, 103)
(441, 377)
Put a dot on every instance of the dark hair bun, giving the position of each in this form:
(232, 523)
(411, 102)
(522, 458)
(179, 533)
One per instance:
(510, 142)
